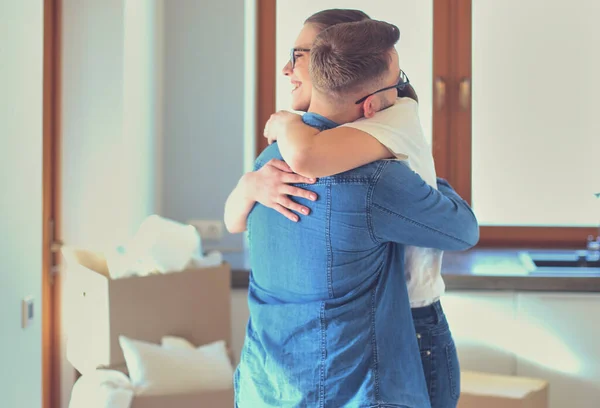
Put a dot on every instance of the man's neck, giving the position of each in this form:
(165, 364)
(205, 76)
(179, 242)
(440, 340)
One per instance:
(333, 111)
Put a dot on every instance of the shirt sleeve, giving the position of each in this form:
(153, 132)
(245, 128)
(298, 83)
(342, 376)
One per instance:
(405, 209)
(398, 128)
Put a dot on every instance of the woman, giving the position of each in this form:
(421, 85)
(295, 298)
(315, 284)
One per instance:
(333, 151)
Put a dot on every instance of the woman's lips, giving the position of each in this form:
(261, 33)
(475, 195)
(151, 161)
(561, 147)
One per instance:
(295, 86)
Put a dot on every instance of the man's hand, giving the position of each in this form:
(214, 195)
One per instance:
(270, 186)
(278, 123)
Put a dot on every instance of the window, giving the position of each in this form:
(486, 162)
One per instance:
(521, 140)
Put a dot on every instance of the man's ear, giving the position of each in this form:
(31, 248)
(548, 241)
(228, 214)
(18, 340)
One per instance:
(370, 106)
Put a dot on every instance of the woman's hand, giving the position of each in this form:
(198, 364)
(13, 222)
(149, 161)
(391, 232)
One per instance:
(271, 187)
(278, 123)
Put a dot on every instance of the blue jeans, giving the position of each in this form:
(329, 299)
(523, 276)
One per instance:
(438, 355)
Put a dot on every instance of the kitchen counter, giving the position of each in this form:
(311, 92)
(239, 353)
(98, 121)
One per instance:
(495, 269)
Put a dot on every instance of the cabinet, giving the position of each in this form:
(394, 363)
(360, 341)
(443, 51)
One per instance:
(554, 336)
(482, 325)
(561, 343)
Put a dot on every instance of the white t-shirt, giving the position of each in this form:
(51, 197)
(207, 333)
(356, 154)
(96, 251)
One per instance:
(399, 129)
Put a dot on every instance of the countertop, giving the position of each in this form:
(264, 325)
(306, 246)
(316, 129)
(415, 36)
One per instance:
(495, 269)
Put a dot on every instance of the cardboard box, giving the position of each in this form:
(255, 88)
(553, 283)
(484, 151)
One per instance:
(193, 304)
(212, 399)
(482, 390)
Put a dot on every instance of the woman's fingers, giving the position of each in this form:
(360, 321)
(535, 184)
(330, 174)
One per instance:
(293, 178)
(287, 213)
(299, 192)
(290, 204)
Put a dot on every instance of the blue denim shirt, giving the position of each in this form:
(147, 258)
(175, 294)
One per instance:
(330, 323)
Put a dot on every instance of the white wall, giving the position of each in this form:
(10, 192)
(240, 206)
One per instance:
(108, 120)
(21, 70)
(204, 125)
(142, 103)
(110, 124)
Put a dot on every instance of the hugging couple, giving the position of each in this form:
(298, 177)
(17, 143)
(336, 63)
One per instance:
(347, 222)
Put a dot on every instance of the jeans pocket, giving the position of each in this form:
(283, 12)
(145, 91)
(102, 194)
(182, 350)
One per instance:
(453, 370)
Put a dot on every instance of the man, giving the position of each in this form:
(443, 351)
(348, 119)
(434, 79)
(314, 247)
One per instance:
(330, 322)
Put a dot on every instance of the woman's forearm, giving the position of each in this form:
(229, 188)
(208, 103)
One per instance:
(319, 154)
(296, 144)
(238, 206)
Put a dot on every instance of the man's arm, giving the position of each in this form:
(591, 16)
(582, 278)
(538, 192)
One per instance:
(405, 209)
(319, 154)
(269, 186)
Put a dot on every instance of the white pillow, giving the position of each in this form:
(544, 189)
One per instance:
(155, 370)
(172, 342)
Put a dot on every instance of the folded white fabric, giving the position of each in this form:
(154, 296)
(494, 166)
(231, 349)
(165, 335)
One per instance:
(172, 342)
(102, 389)
(176, 368)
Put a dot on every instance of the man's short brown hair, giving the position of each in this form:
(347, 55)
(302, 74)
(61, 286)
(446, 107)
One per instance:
(327, 18)
(346, 58)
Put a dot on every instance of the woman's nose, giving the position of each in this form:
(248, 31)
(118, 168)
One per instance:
(287, 69)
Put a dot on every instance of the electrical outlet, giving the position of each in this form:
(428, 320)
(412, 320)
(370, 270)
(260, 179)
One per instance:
(210, 230)
(26, 312)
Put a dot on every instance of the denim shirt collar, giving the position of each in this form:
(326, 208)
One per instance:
(318, 121)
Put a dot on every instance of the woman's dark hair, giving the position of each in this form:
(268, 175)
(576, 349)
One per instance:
(408, 92)
(327, 18)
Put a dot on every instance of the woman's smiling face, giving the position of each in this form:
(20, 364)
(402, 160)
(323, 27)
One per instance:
(298, 74)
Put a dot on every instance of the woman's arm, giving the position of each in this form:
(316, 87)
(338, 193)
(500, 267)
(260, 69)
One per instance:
(269, 186)
(318, 154)
(238, 206)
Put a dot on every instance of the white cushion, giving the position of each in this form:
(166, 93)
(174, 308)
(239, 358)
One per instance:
(156, 370)
(172, 342)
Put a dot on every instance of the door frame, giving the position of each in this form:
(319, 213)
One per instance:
(266, 15)
(51, 345)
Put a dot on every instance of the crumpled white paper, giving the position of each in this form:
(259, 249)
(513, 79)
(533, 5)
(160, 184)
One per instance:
(102, 389)
(160, 245)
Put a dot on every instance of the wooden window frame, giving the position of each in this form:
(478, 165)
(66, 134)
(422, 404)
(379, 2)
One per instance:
(451, 126)
(452, 137)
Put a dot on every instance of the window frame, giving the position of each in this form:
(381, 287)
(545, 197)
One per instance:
(452, 137)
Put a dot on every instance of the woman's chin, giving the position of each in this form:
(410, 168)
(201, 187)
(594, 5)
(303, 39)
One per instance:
(299, 106)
